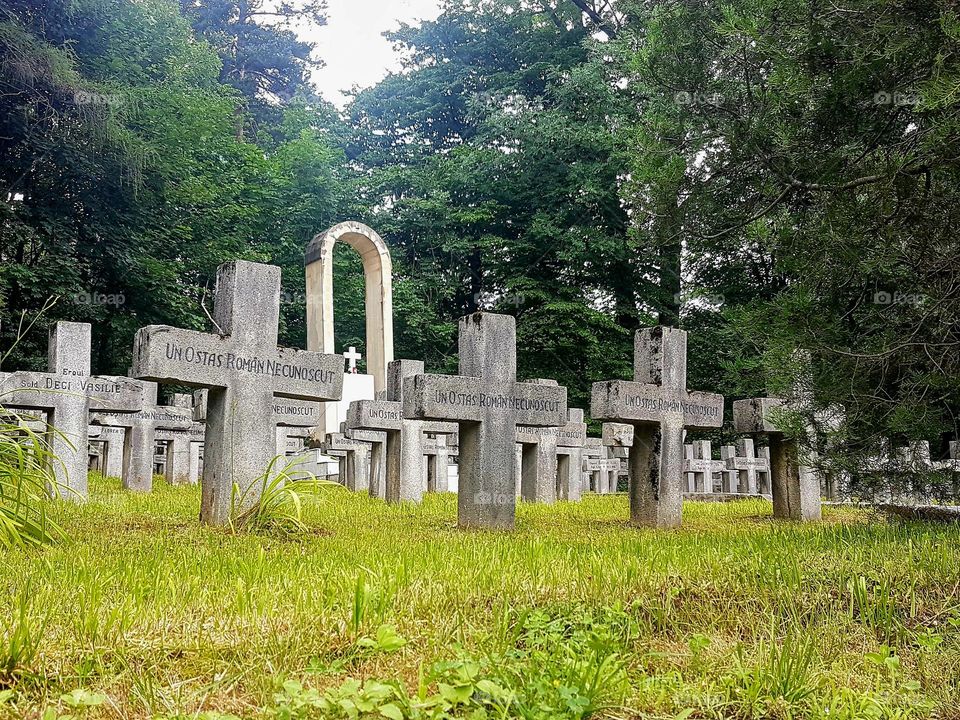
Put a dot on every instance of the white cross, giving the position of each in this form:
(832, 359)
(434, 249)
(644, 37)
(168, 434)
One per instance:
(352, 356)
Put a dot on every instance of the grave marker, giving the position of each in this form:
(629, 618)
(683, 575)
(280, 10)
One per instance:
(659, 406)
(538, 458)
(796, 494)
(488, 403)
(67, 393)
(244, 371)
(139, 444)
(570, 440)
(751, 469)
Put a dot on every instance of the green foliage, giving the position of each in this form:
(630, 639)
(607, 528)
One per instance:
(26, 479)
(167, 618)
(556, 666)
(22, 634)
(274, 501)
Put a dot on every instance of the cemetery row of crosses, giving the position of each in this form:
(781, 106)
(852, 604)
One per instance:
(498, 439)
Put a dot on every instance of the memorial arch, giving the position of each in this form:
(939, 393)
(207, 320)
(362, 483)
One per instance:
(378, 283)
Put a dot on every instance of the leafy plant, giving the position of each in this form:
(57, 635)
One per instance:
(387, 640)
(279, 505)
(21, 638)
(26, 478)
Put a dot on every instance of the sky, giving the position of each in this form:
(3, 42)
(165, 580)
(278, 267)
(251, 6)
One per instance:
(352, 45)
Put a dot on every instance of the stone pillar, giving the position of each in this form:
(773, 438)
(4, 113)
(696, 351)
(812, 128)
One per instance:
(113, 453)
(178, 459)
(195, 463)
(443, 465)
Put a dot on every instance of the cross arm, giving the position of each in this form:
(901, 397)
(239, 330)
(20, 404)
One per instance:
(626, 401)
(442, 397)
(539, 405)
(374, 415)
(168, 354)
(46, 390)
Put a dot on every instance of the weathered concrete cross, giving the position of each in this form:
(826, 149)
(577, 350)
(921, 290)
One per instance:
(751, 469)
(488, 403)
(67, 393)
(139, 443)
(243, 369)
(659, 406)
(570, 440)
(795, 490)
(404, 449)
(538, 458)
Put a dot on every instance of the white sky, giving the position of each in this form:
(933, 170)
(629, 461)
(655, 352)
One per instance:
(352, 44)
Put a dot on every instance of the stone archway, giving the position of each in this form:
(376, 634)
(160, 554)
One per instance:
(378, 282)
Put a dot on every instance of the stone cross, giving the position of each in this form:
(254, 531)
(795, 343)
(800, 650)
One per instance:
(592, 449)
(438, 461)
(538, 458)
(751, 470)
(403, 451)
(180, 466)
(570, 440)
(613, 467)
(405, 463)
(357, 465)
(244, 371)
(67, 393)
(698, 467)
(796, 494)
(112, 439)
(618, 439)
(141, 434)
(375, 481)
(352, 356)
(659, 406)
(487, 403)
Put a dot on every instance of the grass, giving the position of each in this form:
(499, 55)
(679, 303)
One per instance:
(393, 612)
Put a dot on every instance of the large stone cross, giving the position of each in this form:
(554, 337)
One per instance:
(488, 403)
(243, 369)
(659, 406)
(67, 393)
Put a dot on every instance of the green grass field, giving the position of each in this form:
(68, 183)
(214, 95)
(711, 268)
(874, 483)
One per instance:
(390, 611)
